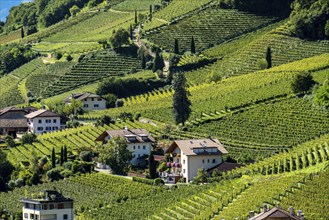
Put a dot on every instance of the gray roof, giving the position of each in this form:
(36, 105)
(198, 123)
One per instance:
(42, 113)
(11, 108)
(126, 133)
(274, 213)
(187, 146)
(81, 96)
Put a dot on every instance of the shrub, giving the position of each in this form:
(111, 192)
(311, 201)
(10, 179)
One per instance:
(158, 182)
(86, 156)
(28, 138)
(54, 174)
(143, 180)
(68, 165)
(302, 82)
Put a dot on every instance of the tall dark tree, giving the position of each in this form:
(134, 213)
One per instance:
(158, 62)
(6, 168)
(65, 154)
(131, 32)
(181, 102)
(269, 58)
(192, 45)
(150, 9)
(143, 59)
(22, 32)
(135, 17)
(176, 47)
(53, 159)
(62, 155)
(152, 166)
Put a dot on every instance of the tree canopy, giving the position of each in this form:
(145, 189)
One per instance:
(119, 38)
(181, 103)
(116, 154)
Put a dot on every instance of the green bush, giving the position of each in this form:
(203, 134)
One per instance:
(143, 180)
(158, 182)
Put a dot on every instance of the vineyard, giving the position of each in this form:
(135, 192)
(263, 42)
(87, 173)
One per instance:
(10, 92)
(94, 67)
(138, 5)
(93, 29)
(246, 59)
(210, 27)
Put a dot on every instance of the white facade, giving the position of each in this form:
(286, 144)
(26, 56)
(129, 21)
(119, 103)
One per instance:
(40, 125)
(36, 212)
(191, 163)
(93, 104)
(138, 149)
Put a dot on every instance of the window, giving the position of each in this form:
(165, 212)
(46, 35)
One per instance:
(208, 161)
(99, 99)
(183, 161)
(51, 206)
(44, 207)
(85, 105)
(139, 147)
(55, 128)
(40, 128)
(31, 216)
(40, 121)
(144, 147)
(60, 206)
(26, 215)
(54, 121)
(65, 216)
(92, 99)
(139, 155)
(48, 120)
(177, 160)
(183, 170)
(133, 155)
(96, 106)
(213, 160)
(26, 205)
(202, 161)
(48, 128)
(134, 147)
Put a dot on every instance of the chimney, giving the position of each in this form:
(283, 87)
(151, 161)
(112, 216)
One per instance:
(292, 211)
(251, 214)
(265, 208)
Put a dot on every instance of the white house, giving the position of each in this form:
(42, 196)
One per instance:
(48, 205)
(90, 101)
(139, 142)
(43, 121)
(191, 155)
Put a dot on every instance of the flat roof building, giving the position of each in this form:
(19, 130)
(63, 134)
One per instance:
(48, 205)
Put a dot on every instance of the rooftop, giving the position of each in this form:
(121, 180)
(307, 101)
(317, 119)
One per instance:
(141, 135)
(42, 113)
(46, 196)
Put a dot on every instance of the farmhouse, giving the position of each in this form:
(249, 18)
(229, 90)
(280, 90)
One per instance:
(191, 155)
(90, 101)
(139, 142)
(43, 121)
(12, 121)
(48, 205)
(276, 213)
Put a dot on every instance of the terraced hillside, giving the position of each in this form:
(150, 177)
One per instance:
(176, 10)
(136, 5)
(98, 27)
(12, 90)
(209, 27)
(231, 93)
(112, 193)
(94, 67)
(245, 59)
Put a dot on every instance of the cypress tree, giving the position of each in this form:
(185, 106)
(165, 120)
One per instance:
(152, 166)
(131, 32)
(158, 62)
(269, 57)
(65, 154)
(176, 47)
(192, 45)
(143, 61)
(62, 156)
(150, 9)
(53, 159)
(135, 17)
(181, 103)
(22, 32)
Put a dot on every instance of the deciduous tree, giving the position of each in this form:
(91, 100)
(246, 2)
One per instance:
(116, 154)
